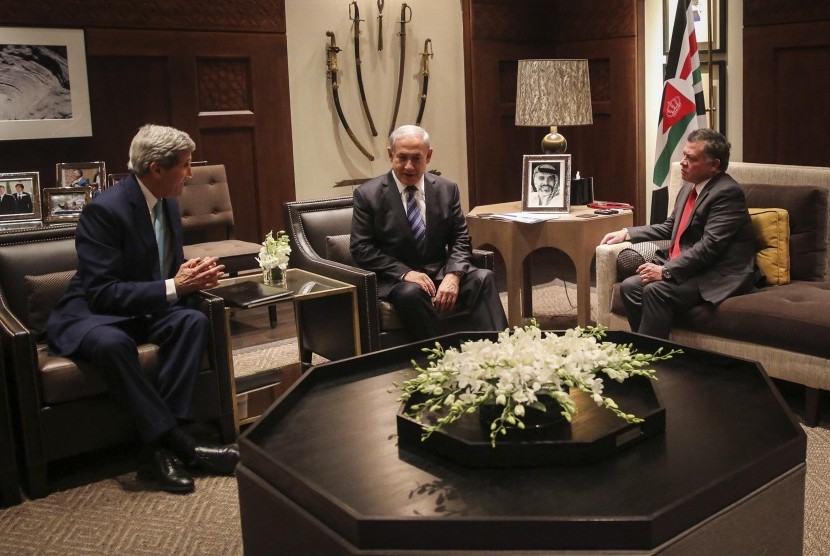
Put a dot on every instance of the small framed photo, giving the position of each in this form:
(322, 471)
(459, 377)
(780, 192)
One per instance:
(547, 182)
(20, 197)
(64, 204)
(82, 174)
(112, 179)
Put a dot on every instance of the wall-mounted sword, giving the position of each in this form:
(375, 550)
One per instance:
(404, 20)
(380, 25)
(425, 55)
(353, 9)
(331, 72)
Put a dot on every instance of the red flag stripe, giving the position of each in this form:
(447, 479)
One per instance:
(687, 63)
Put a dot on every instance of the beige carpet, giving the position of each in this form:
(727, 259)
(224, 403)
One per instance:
(117, 516)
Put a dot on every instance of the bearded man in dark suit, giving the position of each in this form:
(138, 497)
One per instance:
(131, 277)
(712, 251)
(408, 227)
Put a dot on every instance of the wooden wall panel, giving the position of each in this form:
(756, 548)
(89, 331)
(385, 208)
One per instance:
(216, 70)
(785, 78)
(609, 150)
(777, 12)
(237, 15)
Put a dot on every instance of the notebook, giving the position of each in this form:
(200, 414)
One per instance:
(247, 294)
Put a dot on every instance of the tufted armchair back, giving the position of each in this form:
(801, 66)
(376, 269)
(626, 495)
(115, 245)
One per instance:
(207, 221)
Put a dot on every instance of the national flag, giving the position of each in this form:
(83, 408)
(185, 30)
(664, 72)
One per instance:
(682, 108)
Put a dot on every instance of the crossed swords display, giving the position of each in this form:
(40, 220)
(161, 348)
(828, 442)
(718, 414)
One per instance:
(331, 70)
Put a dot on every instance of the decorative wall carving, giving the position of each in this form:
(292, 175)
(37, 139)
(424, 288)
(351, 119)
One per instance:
(767, 12)
(223, 84)
(267, 16)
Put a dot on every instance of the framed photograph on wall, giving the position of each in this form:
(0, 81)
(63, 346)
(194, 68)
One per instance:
(46, 94)
(703, 15)
(546, 180)
(64, 204)
(19, 197)
(82, 174)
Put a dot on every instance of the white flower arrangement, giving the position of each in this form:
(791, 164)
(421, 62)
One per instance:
(516, 370)
(275, 251)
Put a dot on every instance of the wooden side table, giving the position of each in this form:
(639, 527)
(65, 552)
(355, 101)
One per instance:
(574, 235)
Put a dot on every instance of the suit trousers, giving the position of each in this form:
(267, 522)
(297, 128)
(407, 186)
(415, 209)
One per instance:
(478, 293)
(156, 404)
(651, 307)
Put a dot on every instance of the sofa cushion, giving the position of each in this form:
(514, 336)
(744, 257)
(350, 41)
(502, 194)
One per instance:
(794, 317)
(337, 249)
(807, 207)
(43, 292)
(772, 237)
(63, 380)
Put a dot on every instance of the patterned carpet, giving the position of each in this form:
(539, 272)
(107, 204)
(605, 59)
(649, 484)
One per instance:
(119, 516)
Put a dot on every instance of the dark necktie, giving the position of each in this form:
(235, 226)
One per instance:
(684, 223)
(161, 234)
(416, 220)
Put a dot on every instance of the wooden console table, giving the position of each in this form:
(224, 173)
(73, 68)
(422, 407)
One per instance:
(575, 236)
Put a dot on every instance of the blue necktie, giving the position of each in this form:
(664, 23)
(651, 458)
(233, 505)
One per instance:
(413, 214)
(161, 235)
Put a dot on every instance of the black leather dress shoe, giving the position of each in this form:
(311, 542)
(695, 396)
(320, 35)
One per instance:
(217, 460)
(160, 466)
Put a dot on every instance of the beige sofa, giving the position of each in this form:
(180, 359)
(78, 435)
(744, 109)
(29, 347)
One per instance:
(792, 349)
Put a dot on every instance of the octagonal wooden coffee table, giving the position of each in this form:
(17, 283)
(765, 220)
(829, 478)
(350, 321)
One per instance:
(323, 473)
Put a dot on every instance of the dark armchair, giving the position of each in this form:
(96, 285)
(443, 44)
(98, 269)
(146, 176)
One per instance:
(207, 221)
(319, 233)
(63, 409)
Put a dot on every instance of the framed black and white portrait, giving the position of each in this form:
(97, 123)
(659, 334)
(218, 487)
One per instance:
(19, 197)
(547, 182)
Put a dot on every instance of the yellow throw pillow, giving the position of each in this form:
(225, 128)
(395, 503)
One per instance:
(772, 236)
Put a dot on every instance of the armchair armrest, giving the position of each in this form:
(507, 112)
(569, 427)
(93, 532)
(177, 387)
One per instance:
(606, 278)
(220, 357)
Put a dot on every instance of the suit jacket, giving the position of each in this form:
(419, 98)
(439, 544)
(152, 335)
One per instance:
(118, 276)
(8, 205)
(382, 240)
(24, 203)
(718, 245)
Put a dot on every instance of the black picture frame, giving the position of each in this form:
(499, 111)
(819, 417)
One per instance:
(558, 200)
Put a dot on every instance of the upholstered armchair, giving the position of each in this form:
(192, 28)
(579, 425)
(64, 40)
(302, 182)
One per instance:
(208, 222)
(319, 233)
(62, 409)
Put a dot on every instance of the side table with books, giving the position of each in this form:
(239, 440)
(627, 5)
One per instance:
(326, 317)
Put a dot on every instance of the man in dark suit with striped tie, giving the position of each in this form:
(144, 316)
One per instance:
(408, 227)
(712, 251)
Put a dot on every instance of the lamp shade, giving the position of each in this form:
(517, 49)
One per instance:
(553, 93)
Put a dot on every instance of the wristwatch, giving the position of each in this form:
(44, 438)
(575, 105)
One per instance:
(666, 274)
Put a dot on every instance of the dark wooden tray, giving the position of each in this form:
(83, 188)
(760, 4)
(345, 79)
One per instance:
(594, 434)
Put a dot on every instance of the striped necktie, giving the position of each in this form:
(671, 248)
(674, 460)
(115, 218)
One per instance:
(413, 215)
(161, 235)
